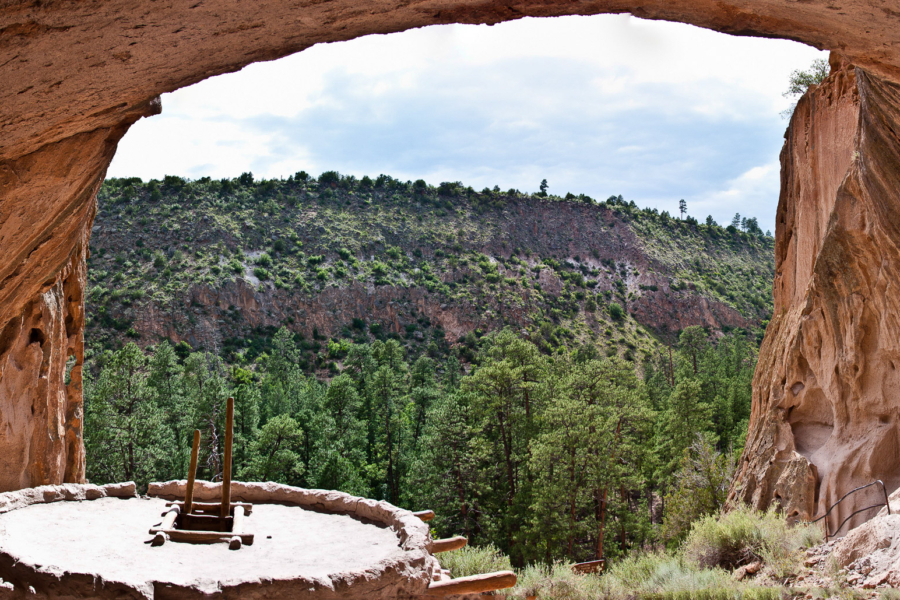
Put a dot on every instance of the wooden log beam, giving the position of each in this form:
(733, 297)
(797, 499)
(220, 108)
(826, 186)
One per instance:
(226, 469)
(168, 522)
(203, 537)
(425, 515)
(213, 508)
(192, 474)
(237, 528)
(474, 584)
(447, 544)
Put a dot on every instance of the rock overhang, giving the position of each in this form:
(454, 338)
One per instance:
(77, 75)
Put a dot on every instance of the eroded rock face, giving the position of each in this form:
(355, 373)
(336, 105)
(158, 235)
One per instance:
(77, 75)
(825, 401)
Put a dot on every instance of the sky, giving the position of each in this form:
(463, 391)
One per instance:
(601, 105)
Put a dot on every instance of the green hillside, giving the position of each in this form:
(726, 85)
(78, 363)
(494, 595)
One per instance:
(221, 265)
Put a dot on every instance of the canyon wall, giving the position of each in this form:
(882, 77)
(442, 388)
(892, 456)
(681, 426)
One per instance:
(77, 75)
(826, 416)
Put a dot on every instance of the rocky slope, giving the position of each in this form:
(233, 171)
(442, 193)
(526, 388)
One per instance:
(222, 264)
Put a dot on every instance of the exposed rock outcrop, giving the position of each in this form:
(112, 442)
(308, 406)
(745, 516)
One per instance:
(825, 414)
(76, 75)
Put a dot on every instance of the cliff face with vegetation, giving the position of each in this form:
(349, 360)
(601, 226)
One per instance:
(221, 265)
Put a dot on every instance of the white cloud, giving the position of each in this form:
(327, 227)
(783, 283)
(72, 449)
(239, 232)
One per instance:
(602, 105)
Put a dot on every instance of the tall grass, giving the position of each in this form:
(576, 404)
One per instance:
(700, 570)
(744, 535)
(474, 560)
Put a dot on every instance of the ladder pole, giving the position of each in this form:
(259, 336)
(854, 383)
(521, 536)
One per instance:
(192, 474)
(226, 469)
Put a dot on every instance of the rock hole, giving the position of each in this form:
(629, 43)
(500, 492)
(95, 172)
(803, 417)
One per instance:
(70, 326)
(884, 419)
(797, 387)
(36, 337)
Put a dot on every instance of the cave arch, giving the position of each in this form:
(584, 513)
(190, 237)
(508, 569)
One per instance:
(78, 75)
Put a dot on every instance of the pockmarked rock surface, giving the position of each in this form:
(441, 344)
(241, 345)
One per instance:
(77, 75)
(308, 544)
(825, 416)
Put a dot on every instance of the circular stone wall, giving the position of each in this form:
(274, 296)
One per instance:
(89, 541)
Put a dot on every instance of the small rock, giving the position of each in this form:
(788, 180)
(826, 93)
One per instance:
(750, 569)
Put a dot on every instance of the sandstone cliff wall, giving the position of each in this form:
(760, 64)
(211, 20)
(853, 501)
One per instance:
(46, 212)
(826, 415)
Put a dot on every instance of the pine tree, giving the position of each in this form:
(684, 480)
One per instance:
(449, 473)
(165, 386)
(275, 453)
(126, 435)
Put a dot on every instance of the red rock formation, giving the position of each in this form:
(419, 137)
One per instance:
(46, 213)
(76, 75)
(825, 414)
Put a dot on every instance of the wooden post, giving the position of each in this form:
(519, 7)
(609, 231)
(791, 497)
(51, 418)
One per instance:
(226, 469)
(192, 474)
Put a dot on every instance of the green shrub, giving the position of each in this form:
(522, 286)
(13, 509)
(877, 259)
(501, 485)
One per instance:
(393, 252)
(556, 582)
(379, 269)
(159, 261)
(264, 260)
(236, 266)
(616, 311)
(279, 246)
(745, 535)
(261, 273)
(660, 576)
(345, 254)
(472, 560)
